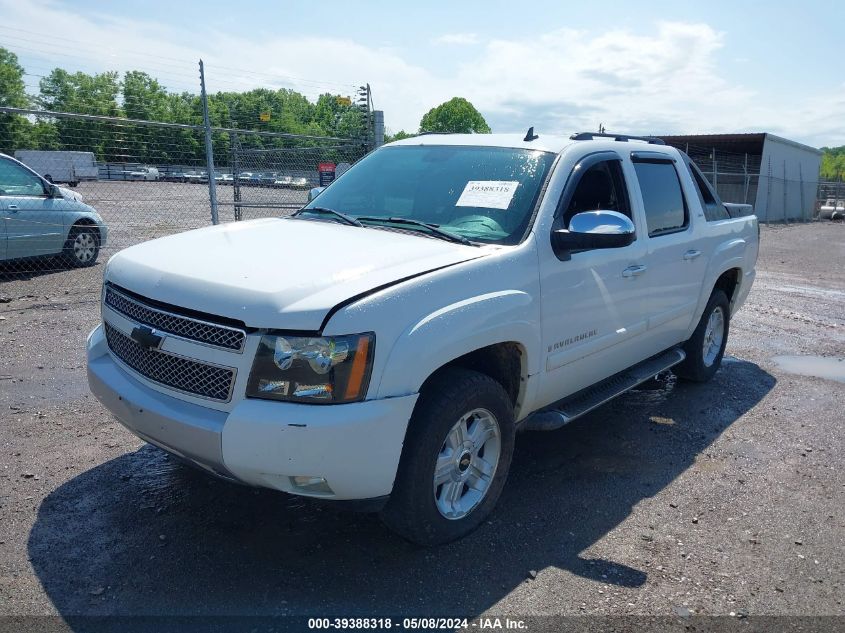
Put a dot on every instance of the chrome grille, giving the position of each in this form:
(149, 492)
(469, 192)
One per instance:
(201, 379)
(179, 325)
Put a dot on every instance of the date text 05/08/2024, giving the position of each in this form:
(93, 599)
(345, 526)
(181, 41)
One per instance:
(416, 623)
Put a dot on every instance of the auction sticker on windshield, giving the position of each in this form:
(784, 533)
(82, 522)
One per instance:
(489, 194)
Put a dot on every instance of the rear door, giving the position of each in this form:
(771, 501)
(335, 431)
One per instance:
(675, 259)
(34, 222)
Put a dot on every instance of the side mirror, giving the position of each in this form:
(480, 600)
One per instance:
(314, 192)
(53, 190)
(594, 229)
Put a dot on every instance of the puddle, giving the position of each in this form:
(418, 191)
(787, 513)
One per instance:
(828, 367)
(653, 391)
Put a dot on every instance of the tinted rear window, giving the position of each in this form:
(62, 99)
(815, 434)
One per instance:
(663, 199)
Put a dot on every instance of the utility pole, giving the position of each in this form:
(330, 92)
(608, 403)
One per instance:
(209, 152)
(365, 103)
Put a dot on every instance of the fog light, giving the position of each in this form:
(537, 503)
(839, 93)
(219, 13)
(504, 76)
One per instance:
(311, 485)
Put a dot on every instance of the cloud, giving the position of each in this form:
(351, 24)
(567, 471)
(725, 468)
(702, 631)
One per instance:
(457, 38)
(663, 79)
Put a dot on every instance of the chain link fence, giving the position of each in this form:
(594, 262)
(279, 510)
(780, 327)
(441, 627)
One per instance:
(105, 183)
(739, 177)
(276, 180)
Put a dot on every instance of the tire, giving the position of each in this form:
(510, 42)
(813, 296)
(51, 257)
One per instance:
(82, 246)
(453, 399)
(703, 361)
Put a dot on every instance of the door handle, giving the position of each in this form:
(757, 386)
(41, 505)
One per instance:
(13, 207)
(689, 255)
(634, 271)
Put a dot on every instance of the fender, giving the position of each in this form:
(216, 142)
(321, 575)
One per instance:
(729, 254)
(457, 329)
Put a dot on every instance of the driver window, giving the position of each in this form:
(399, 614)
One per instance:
(601, 187)
(17, 181)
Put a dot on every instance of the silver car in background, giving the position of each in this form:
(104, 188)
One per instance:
(38, 218)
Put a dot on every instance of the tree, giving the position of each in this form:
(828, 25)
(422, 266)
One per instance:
(454, 116)
(12, 89)
(85, 94)
(401, 134)
(833, 163)
(139, 96)
(144, 98)
(14, 128)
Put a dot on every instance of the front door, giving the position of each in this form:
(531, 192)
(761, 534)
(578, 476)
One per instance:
(2, 235)
(592, 312)
(34, 221)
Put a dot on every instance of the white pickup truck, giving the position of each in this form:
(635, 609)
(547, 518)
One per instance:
(385, 343)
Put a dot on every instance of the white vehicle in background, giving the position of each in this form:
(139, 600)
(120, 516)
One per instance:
(832, 209)
(60, 166)
(385, 342)
(38, 218)
(143, 173)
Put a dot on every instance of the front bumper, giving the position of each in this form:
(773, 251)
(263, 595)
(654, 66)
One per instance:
(104, 233)
(355, 447)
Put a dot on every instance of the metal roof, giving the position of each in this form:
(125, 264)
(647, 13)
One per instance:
(743, 143)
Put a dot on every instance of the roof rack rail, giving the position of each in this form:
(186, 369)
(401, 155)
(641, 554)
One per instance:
(588, 136)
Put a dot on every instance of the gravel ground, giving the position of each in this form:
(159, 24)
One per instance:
(139, 211)
(708, 499)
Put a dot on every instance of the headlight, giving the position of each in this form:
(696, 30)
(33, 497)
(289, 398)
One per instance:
(320, 369)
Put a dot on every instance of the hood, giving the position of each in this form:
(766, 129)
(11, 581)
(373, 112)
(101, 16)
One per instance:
(277, 272)
(67, 194)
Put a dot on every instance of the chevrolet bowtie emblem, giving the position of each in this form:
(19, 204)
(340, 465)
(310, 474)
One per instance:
(146, 337)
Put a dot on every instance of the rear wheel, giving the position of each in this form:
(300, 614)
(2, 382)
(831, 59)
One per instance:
(82, 246)
(455, 460)
(706, 347)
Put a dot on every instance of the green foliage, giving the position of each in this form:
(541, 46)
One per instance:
(833, 163)
(137, 95)
(456, 116)
(12, 89)
(14, 129)
(401, 134)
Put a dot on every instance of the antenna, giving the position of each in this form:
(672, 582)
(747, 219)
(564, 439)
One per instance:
(530, 136)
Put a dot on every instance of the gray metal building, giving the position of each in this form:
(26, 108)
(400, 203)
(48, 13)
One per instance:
(778, 176)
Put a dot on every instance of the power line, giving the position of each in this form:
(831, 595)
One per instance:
(79, 44)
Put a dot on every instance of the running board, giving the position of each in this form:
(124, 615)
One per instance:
(576, 405)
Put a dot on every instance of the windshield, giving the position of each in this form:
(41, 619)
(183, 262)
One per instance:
(484, 194)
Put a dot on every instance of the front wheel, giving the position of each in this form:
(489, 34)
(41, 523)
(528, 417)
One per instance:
(455, 459)
(82, 246)
(706, 347)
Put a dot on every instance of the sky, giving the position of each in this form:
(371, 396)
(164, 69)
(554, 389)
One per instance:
(644, 67)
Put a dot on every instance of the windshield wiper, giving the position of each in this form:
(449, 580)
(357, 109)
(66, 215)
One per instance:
(435, 230)
(347, 219)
